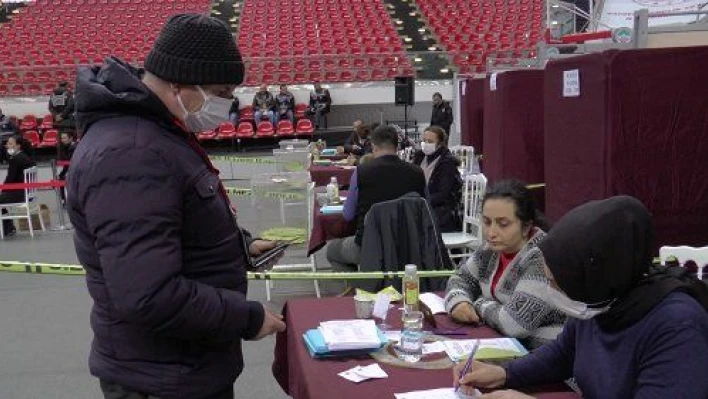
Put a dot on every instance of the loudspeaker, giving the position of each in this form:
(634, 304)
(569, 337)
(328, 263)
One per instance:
(405, 90)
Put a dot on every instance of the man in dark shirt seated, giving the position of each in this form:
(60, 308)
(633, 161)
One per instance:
(384, 178)
(358, 143)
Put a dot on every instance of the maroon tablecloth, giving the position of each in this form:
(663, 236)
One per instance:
(327, 227)
(303, 377)
(322, 174)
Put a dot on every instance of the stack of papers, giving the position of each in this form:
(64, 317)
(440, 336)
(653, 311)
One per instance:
(440, 393)
(435, 303)
(346, 335)
(489, 349)
(359, 373)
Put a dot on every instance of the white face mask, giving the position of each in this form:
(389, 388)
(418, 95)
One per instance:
(213, 113)
(428, 148)
(12, 151)
(575, 309)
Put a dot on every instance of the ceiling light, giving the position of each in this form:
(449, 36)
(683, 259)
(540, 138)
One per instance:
(407, 39)
(421, 30)
(417, 59)
(432, 48)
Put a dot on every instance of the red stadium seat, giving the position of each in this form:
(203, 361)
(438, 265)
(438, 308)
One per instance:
(285, 128)
(32, 136)
(245, 130)
(300, 110)
(208, 135)
(226, 131)
(29, 122)
(304, 127)
(49, 139)
(265, 129)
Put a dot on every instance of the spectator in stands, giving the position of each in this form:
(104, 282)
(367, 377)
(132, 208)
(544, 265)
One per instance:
(358, 142)
(285, 104)
(263, 104)
(154, 228)
(502, 284)
(17, 149)
(320, 104)
(67, 145)
(441, 177)
(634, 330)
(7, 128)
(235, 110)
(442, 113)
(384, 178)
(61, 106)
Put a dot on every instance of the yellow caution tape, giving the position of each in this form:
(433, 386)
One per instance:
(238, 191)
(242, 159)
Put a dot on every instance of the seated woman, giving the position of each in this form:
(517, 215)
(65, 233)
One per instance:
(636, 330)
(503, 284)
(442, 178)
(17, 149)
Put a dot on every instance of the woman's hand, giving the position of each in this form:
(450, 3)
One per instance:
(464, 313)
(482, 375)
(506, 394)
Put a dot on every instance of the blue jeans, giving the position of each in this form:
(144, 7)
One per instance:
(288, 115)
(268, 114)
(234, 118)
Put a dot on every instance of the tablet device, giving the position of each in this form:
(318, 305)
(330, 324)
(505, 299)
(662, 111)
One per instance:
(262, 260)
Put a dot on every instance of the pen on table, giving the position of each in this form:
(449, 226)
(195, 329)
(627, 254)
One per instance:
(468, 363)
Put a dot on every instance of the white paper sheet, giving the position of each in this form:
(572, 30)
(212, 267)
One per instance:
(459, 349)
(435, 303)
(433, 347)
(359, 373)
(381, 306)
(440, 393)
(350, 334)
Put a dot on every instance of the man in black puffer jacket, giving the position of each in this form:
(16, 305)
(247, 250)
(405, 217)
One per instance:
(164, 256)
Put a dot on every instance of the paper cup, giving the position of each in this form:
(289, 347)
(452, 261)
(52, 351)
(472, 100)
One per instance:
(364, 307)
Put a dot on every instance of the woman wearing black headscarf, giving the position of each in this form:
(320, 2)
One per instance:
(636, 330)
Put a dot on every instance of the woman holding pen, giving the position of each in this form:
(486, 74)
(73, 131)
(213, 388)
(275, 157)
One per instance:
(635, 330)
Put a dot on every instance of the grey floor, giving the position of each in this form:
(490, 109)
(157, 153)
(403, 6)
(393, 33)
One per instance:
(44, 328)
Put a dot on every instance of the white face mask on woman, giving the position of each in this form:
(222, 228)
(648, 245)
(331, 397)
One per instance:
(575, 309)
(213, 113)
(12, 151)
(428, 148)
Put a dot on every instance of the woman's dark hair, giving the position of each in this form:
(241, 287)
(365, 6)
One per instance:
(440, 132)
(25, 145)
(516, 192)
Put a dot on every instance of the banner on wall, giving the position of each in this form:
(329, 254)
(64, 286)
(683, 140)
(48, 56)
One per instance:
(620, 13)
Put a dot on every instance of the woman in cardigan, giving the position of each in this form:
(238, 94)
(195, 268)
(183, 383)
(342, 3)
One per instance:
(503, 284)
(635, 330)
(442, 178)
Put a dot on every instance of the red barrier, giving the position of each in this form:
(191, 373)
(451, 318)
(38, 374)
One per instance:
(52, 184)
(63, 163)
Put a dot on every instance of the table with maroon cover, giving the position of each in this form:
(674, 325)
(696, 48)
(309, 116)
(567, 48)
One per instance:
(321, 174)
(328, 227)
(303, 377)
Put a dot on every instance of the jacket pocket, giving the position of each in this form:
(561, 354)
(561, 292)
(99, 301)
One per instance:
(207, 217)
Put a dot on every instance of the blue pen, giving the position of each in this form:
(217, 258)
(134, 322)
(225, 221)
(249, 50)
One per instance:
(468, 364)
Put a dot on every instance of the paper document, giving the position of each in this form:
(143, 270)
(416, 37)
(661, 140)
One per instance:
(381, 306)
(359, 373)
(393, 335)
(433, 347)
(350, 334)
(440, 393)
(489, 348)
(435, 303)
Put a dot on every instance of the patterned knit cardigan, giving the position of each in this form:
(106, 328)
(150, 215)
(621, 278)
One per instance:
(520, 309)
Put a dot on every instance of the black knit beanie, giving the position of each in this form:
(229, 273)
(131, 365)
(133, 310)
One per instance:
(195, 49)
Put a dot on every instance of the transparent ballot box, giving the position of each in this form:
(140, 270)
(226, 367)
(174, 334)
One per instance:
(295, 145)
(282, 202)
(292, 160)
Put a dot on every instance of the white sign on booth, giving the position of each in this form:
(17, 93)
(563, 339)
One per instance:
(571, 83)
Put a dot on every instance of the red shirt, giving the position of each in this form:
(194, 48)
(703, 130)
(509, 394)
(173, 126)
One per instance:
(504, 260)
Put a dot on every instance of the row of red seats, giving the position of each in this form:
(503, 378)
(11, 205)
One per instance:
(245, 130)
(49, 138)
(50, 3)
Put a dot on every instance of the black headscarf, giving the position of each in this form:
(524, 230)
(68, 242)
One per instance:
(601, 251)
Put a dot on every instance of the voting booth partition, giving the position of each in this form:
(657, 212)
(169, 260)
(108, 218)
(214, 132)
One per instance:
(631, 122)
(513, 128)
(472, 112)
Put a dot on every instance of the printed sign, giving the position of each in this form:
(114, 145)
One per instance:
(571, 83)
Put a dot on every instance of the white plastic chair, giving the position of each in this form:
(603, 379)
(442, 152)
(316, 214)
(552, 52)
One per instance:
(464, 153)
(684, 254)
(27, 208)
(312, 265)
(406, 154)
(470, 238)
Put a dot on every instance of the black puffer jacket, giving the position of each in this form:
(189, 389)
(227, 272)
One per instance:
(444, 189)
(165, 260)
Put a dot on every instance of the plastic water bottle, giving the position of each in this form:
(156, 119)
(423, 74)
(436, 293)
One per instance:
(333, 191)
(411, 289)
(410, 348)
